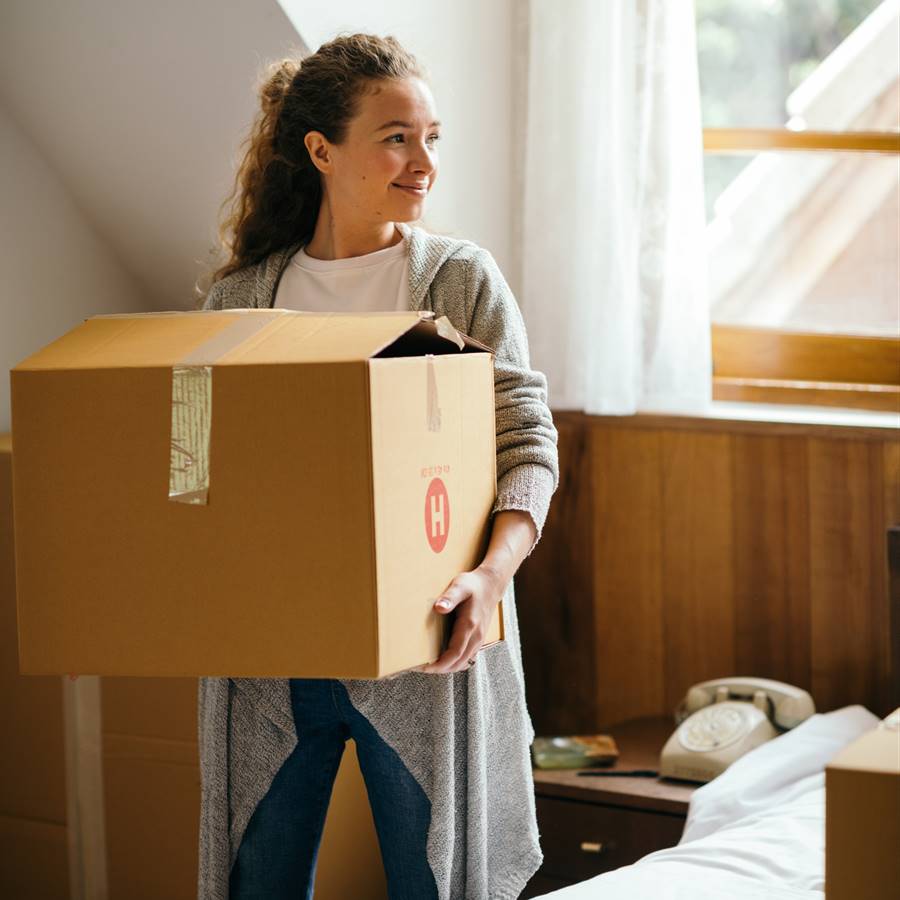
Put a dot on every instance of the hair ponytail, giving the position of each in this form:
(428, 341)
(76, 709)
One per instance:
(278, 190)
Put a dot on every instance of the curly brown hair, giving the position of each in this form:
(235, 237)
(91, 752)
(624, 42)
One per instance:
(278, 190)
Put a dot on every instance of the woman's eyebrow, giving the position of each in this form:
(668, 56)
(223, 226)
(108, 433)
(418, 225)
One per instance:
(399, 123)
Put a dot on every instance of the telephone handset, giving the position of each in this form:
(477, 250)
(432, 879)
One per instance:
(721, 720)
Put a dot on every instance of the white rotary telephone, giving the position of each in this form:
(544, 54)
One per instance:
(721, 720)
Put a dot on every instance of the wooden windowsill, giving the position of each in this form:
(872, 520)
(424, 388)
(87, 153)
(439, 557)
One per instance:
(883, 398)
(762, 418)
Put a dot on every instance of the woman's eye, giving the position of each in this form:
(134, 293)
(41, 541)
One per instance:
(434, 138)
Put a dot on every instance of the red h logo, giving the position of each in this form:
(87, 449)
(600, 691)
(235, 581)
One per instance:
(437, 514)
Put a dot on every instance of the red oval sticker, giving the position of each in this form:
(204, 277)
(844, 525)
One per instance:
(437, 514)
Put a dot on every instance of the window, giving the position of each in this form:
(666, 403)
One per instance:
(801, 116)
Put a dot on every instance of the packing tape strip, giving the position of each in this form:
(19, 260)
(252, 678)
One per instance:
(191, 419)
(189, 437)
(432, 409)
(446, 330)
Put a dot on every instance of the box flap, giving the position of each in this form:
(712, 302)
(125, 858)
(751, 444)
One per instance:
(877, 750)
(435, 336)
(244, 337)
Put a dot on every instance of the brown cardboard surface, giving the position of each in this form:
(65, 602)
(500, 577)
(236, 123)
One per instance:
(152, 807)
(862, 819)
(34, 862)
(118, 341)
(279, 336)
(150, 748)
(151, 707)
(302, 562)
(151, 785)
(408, 567)
(141, 585)
(32, 751)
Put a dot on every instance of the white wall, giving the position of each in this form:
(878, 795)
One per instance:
(141, 107)
(57, 271)
(466, 46)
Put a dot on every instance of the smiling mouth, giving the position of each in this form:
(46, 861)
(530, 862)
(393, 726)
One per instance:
(418, 192)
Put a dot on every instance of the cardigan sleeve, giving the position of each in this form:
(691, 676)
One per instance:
(527, 458)
(235, 291)
(213, 298)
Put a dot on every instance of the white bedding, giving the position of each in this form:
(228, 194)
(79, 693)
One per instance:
(757, 831)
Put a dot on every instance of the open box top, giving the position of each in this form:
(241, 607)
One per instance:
(247, 337)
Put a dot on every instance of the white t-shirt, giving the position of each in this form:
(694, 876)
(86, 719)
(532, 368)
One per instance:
(374, 281)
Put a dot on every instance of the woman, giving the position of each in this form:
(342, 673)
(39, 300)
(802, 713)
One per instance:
(339, 162)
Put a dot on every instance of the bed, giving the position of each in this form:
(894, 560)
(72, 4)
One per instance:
(756, 831)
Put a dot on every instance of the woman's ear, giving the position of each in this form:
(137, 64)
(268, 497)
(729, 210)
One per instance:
(319, 151)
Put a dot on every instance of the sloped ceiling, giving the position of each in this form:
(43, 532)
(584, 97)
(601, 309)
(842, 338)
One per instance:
(140, 108)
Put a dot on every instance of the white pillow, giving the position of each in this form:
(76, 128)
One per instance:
(774, 772)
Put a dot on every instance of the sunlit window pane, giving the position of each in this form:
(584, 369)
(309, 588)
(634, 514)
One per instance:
(815, 65)
(809, 242)
(762, 62)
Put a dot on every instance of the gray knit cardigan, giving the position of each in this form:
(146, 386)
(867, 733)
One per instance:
(465, 736)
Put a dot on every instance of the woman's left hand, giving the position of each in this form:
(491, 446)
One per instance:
(475, 595)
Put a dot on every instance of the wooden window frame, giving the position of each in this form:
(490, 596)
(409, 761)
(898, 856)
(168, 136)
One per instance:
(765, 365)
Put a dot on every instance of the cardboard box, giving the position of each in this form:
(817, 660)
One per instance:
(862, 816)
(248, 493)
(33, 803)
(33, 864)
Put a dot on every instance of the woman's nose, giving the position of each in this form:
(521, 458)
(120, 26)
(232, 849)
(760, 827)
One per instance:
(422, 159)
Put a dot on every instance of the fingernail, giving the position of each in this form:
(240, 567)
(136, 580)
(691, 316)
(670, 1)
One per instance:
(444, 603)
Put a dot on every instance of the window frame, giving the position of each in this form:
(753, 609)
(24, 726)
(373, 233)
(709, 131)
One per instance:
(768, 365)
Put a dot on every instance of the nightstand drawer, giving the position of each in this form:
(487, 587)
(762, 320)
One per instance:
(580, 840)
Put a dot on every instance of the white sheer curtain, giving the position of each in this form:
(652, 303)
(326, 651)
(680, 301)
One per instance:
(613, 272)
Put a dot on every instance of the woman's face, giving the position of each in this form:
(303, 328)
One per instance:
(386, 166)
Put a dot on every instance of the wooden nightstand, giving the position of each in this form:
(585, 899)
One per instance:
(592, 825)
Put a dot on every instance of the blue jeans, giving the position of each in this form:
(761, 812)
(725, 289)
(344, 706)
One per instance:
(278, 852)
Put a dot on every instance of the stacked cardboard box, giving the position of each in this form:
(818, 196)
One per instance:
(862, 816)
(33, 834)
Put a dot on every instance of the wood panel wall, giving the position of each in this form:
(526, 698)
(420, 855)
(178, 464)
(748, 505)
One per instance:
(679, 549)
